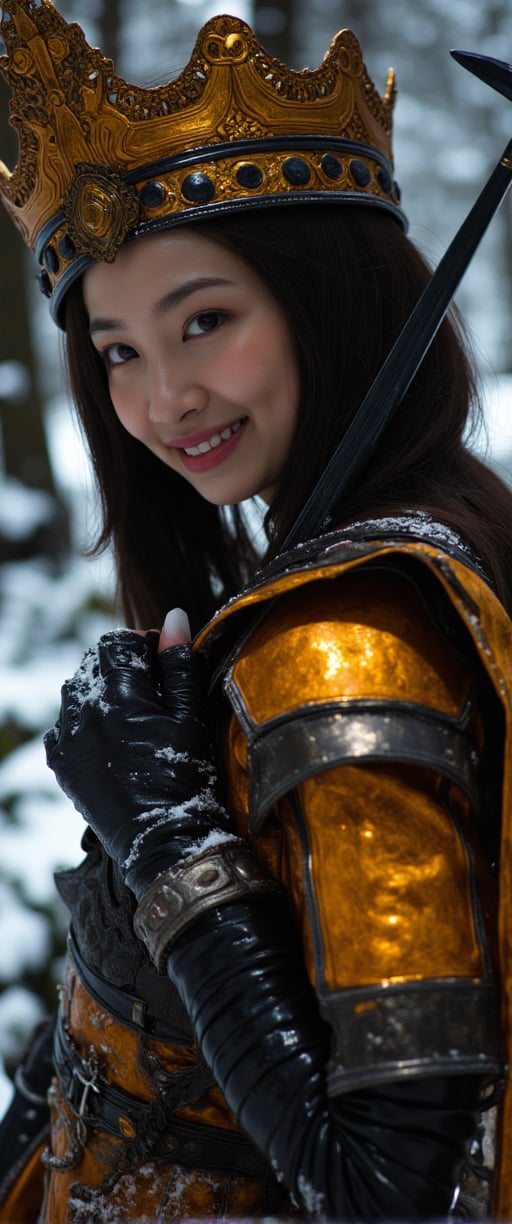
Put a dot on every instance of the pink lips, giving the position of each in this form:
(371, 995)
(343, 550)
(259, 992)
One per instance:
(211, 459)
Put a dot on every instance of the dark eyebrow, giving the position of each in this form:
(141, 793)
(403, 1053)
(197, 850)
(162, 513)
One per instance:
(184, 291)
(165, 303)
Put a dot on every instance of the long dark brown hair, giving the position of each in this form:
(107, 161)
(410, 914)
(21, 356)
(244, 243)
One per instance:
(347, 279)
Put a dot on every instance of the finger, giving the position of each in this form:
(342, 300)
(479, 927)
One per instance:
(127, 673)
(175, 630)
(120, 648)
(182, 684)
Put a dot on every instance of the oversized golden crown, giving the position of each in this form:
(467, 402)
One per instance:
(102, 161)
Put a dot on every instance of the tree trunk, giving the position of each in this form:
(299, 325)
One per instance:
(274, 26)
(110, 26)
(25, 452)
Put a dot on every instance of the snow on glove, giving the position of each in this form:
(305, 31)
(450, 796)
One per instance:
(131, 749)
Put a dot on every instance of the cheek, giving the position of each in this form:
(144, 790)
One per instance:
(128, 410)
(281, 359)
(265, 364)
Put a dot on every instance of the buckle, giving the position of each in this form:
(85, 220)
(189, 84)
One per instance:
(87, 1074)
(84, 1079)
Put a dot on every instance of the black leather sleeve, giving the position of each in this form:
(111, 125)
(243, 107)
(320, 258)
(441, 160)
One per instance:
(391, 1151)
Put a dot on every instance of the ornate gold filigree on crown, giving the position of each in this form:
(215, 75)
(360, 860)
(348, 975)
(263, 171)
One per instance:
(87, 137)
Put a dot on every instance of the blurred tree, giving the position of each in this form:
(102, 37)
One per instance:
(110, 27)
(23, 441)
(275, 26)
(500, 45)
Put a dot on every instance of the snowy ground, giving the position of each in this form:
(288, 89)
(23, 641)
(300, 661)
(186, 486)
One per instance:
(44, 630)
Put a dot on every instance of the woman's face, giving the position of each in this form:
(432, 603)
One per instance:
(200, 361)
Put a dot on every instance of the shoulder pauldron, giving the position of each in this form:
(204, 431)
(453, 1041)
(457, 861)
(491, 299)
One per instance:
(369, 686)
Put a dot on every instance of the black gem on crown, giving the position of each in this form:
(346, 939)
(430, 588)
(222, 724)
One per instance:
(152, 194)
(45, 283)
(332, 166)
(397, 191)
(51, 259)
(249, 175)
(198, 188)
(360, 173)
(384, 179)
(67, 247)
(296, 171)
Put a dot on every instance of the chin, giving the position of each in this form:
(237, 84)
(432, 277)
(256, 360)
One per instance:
(233, 497)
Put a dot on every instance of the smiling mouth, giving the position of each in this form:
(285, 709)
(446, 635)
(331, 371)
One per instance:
(215, 440)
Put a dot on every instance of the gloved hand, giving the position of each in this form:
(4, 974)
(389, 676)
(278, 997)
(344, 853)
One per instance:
(131, 749)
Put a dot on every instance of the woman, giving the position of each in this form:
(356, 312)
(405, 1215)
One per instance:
(281, 993)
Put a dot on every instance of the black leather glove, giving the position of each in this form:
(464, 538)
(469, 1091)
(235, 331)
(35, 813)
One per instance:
(132, 751)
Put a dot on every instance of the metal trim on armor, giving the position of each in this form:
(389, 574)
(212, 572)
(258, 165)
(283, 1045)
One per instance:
(381, 540)
(287, 750)
(378, 1032)
(180, 895)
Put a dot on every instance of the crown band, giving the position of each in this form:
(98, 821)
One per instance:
(263, 143)
(104, 209)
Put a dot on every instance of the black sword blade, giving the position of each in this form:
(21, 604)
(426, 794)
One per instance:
(496, 73)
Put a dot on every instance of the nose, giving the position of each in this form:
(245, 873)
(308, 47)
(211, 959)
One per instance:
(173, 394)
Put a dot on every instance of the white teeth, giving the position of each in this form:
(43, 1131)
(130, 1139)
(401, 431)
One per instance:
(214, 441)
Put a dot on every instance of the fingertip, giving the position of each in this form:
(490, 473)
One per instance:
(175, 630)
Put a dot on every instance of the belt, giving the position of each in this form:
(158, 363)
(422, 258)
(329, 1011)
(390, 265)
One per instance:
(128, 1008)
(101, 1105)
